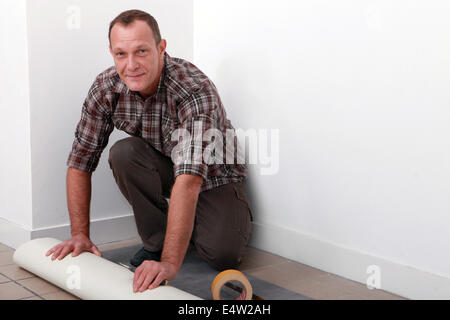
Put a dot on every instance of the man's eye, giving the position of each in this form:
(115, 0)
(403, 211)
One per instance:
(119, 54)
(142, 51)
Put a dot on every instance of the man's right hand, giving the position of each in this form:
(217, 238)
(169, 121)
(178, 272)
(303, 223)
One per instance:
(77, 244)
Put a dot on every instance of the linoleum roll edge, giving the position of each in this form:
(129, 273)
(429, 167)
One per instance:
(88, 276)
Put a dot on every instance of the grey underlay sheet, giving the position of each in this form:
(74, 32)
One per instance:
(196, 276)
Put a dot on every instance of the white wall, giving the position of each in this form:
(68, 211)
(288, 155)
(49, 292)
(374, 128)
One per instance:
(359, 91)
(62, 64)
(15, 161)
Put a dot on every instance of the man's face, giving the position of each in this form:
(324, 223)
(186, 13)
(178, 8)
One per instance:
(137, 58)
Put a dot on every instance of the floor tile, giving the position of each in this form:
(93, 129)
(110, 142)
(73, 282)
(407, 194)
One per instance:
(373, 294)
(331, 286)
(13, 291)
(15, 272)
(284, 273)
(353, 289)
(5, 248)
(6, 258)
(293, 271)
(4, 279)
(32, 298)
(38, 285)
(59, 295)
(268, 274)
(255, 258)
(325, 287)
(384, 295)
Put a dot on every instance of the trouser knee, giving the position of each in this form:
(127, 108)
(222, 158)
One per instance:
(124, 151)
(224, 259)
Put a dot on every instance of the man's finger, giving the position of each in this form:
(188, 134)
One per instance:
(64, 252)
(137, 272)
(56, 253)
(95, 251)
(49, 252)
(137, 278)
(159, 278)
(148, 279)
(76, 251)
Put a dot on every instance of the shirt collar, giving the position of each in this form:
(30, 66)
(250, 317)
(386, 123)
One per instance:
(163, 74)
(120, 87)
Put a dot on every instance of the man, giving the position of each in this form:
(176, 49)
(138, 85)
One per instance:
(154, 97)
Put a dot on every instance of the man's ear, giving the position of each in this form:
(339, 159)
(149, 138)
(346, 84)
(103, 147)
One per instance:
(162, 46)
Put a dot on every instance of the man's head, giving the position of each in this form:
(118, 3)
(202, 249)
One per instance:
(138, 50)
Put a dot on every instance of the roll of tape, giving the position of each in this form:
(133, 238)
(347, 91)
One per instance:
(231, 275)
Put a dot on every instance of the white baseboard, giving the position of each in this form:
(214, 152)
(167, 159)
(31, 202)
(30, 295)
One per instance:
(102, 231)
(13, 235)
(396, 277)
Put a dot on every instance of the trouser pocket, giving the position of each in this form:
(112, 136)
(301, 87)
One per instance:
(241, 194)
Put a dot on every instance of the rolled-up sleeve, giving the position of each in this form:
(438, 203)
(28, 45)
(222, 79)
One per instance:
(199, 114)
(92, 131)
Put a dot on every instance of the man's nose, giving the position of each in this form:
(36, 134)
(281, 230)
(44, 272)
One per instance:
(132, 63)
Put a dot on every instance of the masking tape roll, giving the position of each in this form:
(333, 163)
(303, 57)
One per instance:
(231, 275)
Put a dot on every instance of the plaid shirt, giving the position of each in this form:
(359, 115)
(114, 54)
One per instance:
(185, 99)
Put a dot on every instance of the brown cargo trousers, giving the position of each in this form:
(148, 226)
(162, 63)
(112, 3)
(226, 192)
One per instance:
(222, 225)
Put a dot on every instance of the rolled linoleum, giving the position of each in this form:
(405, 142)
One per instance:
(88, 276)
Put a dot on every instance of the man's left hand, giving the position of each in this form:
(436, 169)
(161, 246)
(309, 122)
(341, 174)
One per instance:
(151, 273)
